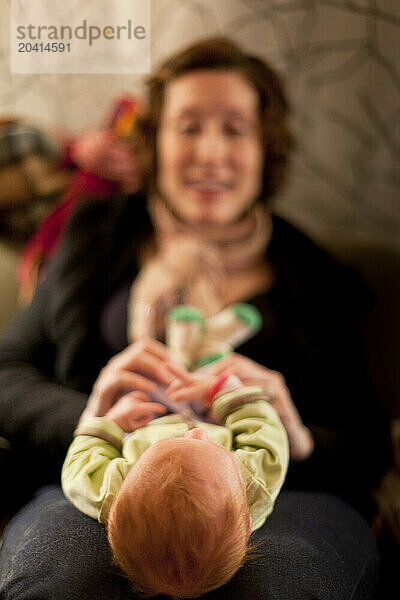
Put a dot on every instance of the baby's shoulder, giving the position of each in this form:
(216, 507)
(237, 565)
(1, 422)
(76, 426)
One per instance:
(167, 427)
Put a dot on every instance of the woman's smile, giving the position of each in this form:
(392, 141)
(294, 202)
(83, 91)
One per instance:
(208, 192)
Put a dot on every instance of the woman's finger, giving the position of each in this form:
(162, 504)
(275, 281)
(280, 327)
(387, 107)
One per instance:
(137, 395)
(187, 394)
(140, 404)
(143, 362)
(176, 384)
(153, 367)
(118, 382)
(154, 360)
(156, 348)
(144, 345)
(182, 375)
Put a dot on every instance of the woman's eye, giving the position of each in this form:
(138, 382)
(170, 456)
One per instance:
(189, 129)
(235, 130)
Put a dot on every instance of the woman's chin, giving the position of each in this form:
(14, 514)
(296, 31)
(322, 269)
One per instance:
(207, 220)
(208, 214)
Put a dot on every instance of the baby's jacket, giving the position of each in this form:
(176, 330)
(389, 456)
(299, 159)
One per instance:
(95, 467)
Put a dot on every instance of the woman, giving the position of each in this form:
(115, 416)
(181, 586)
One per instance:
(219, 142)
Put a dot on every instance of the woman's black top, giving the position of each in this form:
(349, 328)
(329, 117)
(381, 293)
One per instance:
(51, 356)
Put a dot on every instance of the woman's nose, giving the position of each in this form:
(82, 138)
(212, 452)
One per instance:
(197, 434)
(211, 147)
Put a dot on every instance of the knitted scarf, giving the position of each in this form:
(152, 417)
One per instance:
(191, 265)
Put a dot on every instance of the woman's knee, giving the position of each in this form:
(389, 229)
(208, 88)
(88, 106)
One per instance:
(313, 546)
(50, 550)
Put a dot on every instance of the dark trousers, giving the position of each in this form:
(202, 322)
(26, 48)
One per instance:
(313, 547)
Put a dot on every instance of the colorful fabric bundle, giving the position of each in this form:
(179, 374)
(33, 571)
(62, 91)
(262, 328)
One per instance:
(84, 183)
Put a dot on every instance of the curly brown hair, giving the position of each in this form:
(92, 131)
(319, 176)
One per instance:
(220, 53)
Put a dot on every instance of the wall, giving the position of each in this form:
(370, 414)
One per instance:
(340, 61)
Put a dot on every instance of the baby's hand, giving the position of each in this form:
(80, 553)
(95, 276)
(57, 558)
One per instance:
(133, 411)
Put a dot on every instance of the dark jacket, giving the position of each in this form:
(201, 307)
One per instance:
(51, 356)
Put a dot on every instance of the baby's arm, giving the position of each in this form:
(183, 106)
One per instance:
(259, 442)
(94, 468)
(259, 439)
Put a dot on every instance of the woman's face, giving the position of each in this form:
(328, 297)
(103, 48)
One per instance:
(210, 157)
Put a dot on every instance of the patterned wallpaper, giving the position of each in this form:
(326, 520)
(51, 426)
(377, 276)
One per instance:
(340, 60)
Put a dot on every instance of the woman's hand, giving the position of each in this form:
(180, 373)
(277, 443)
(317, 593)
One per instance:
(133, 411)
(301, 442)
(138, 368)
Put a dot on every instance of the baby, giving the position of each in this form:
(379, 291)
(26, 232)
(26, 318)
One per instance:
(180, 496)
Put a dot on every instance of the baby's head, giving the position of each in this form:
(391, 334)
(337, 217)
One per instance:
(180, 524)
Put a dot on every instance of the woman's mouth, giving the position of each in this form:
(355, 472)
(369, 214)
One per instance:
(209, 187)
